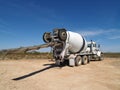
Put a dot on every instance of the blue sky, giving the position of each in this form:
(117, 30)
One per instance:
(23, 22)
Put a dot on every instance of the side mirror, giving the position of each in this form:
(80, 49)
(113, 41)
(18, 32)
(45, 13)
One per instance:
(98, 45)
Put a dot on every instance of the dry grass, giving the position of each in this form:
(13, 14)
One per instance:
(42, 55)
(112, 55)
(17, 56)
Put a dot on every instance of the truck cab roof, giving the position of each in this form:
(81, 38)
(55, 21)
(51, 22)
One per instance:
(90, 42)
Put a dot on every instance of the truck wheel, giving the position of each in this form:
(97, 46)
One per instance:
(89, 58)
(78, 61)
(57, 62)
(47, 37)
(102, 57)
(62, 34)
(84, 60)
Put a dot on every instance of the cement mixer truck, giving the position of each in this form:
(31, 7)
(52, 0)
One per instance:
(72, 47)
(66, 46)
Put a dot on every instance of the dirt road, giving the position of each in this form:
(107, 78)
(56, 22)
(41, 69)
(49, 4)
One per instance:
(43, 75)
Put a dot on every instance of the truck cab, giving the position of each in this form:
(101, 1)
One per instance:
(94, 49)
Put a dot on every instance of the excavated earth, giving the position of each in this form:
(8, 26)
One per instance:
(44, 75)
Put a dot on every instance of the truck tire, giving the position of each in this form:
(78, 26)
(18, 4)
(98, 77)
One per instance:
(62, 34)
(102, 57)
(78, 61)
(47, 37)
(57, 62)
(89, 58)
(84, 60)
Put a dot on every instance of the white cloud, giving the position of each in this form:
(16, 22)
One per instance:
(6, 32)
(114, 37)
(111, 48)
(108, 33)
(90, 33)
